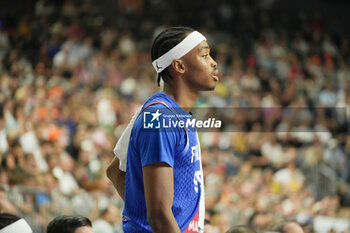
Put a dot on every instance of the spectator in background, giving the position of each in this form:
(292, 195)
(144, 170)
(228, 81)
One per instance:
(261, 220)
(3, 133)
(63, 173)
(5, 205)
(344, 194)
(240, 229)
(70, 224)
(290, 178)
(4, 43)
(208, 228)
(108, 222)
(11, 223)
(287, 227)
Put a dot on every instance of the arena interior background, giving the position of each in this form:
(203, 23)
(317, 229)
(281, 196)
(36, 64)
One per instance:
(73, 72)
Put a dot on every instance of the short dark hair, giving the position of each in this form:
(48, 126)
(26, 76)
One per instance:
(7, 219)
(67, 224)
(165, 41)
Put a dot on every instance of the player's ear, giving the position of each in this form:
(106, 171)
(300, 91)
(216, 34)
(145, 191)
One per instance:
(178, 66)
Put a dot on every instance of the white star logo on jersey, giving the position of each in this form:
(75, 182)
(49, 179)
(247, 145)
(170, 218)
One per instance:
(156, 115)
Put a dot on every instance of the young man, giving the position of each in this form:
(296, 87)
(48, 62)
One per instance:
(70, 224)
(163, 189)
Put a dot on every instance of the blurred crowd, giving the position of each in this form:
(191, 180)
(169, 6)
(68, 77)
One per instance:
(71, 78)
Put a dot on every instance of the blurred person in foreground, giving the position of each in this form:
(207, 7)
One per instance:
(10, 223)
(162, 183)
(70, 224)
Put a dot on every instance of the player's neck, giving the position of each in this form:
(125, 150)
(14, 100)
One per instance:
(184, 97)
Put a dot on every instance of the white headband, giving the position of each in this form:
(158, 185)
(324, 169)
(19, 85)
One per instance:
(181, 49)
(19, 226)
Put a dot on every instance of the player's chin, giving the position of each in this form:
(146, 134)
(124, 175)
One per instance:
(211, 87)
(213, 83)
(207, 88)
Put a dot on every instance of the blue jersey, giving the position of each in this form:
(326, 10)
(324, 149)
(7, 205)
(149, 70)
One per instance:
(179, 148)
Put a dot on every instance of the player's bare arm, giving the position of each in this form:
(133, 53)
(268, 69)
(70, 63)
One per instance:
(159, 193)
(116, 176)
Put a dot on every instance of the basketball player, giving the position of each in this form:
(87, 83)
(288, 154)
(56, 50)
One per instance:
(163, 189)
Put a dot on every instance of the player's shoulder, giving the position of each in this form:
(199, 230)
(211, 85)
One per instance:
(158, 104)
(159, 99)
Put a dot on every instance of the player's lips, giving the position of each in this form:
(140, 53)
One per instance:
(216, 75)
